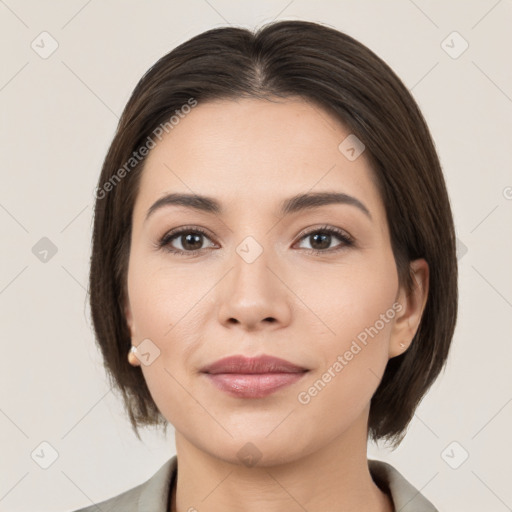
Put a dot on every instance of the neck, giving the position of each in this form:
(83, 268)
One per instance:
(335, 477)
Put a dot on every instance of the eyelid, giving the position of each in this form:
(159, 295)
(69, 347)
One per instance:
(325, 227)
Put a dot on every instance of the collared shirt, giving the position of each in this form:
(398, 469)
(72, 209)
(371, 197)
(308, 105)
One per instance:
(154, 494)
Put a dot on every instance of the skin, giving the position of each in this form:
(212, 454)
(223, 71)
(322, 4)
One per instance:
(251, 154)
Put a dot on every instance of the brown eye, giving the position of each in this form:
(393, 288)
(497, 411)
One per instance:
(185, 240)
(321, 238)
(191, 241)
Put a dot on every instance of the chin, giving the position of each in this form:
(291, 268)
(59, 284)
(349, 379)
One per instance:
(258, 451)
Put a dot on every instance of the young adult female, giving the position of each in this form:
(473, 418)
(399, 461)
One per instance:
(273, 271)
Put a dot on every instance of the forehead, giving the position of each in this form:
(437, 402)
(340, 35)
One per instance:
(253, 153)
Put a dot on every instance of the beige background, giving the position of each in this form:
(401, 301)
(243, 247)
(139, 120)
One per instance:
(58, 116)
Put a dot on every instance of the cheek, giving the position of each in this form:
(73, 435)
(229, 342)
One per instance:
(353, 358)
(167, 309)
(163, 299)
(355, 305)
(347, 299)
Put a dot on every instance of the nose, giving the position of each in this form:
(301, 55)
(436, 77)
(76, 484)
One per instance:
(253, 295)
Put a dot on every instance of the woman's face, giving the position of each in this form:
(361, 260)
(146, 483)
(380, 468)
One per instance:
(252, 285)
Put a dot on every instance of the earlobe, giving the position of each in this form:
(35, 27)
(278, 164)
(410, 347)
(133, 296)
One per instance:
(132, 354)
(413, 305)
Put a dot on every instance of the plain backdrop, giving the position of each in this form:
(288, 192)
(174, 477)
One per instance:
(67, 71)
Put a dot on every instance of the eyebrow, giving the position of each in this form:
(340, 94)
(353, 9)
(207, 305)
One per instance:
(291, 205)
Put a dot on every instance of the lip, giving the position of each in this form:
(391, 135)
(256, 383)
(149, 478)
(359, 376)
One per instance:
(257, 377)
(251, 365)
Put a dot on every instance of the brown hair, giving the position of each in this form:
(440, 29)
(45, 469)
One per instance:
(333, 70)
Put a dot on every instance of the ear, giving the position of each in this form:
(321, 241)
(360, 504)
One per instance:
(413, 304)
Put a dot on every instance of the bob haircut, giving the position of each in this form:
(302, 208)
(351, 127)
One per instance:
(329, 69)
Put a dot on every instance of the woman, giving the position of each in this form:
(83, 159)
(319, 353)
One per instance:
(273, 271)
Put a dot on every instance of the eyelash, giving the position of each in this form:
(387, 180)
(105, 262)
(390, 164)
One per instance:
(164, 242)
